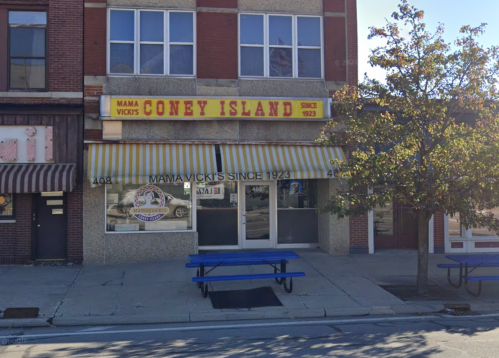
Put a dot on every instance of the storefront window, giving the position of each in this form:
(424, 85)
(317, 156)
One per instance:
(161, 207)
(297, 194)
(217, 213)
(297, 216)
(6, 206)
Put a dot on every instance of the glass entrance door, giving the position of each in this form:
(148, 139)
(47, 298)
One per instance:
(258, 217)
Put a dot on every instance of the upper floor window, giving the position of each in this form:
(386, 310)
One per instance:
(27, 49)
(280, 46)
(151, 42)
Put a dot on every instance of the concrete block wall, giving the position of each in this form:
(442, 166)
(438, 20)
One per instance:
(333, 232)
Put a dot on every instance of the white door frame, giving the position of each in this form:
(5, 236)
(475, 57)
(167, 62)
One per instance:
(257, 244)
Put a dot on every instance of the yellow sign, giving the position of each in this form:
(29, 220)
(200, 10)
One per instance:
(195, 108)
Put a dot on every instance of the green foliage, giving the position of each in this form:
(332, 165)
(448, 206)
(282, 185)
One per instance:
(429, 135)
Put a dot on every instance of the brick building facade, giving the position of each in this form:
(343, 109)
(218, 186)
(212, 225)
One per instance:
(41, 131)
(225, 55)
(179, 126)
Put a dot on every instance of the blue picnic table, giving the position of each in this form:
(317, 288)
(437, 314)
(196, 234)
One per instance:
(278, 260)
(467, 263)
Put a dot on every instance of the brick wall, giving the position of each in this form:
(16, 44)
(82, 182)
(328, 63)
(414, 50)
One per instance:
(75, 225)
(335, 49)
(352, 43)
(64, 57)
(65, 36)
(217, 51)
(16, 239)
(340, 41)
(358, 234)
(95, 42)
(438, 232)
(7, 243)
(334, 6)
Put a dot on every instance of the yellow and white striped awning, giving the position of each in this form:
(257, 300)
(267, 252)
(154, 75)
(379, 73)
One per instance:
(240, 162)
(150, 163)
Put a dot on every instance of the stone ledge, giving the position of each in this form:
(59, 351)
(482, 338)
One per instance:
(217, 9)
(41, 94)
(96, 5)
(208, 82)
(94, 80)
(335, 85)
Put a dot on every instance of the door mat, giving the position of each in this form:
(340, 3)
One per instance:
(15, 313)
(256, 297)
(410, 293)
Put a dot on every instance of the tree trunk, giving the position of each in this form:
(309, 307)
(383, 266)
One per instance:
(423, 243)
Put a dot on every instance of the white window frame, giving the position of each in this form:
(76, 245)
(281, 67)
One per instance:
(467, 233)
(266, 46)
(193, 216)
(166, 43)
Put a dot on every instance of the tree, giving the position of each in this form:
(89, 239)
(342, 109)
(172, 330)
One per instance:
(428, 136)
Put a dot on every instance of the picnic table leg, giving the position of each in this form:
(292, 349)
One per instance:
(283, 269)
(460, 277)
(200, 274)
(473, 293)
(283, 280)
(290, 288)
(205, 290)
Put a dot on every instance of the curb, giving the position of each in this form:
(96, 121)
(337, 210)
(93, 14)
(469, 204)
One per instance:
(210, 316)
(234, 315)
(118, 320)
(24, 322)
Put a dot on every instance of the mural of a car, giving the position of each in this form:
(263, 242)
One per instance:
(178, 208)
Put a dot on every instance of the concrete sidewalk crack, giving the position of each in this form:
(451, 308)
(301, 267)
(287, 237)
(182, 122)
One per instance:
(59, 304)
(332, 283)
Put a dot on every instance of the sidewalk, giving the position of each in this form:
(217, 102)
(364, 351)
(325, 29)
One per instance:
(162, 292)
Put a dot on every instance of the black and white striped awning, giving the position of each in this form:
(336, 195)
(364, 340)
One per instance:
(37, 178)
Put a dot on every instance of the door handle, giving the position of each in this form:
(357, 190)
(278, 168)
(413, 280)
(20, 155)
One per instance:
(38, 225)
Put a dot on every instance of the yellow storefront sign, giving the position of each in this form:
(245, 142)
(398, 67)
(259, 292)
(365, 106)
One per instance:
(198, 108)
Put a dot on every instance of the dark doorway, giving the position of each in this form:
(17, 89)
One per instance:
(50, 226)
(395, 227)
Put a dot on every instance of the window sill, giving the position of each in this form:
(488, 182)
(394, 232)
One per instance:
(149, 232)
(30, 94)
(121, 75)
(308, 79)
(475, 238)
(7, 222)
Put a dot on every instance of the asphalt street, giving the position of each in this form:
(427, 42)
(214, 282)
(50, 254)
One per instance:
(385, 337)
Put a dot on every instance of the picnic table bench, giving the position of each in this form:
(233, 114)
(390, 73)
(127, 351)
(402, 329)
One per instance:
(467, 263)
(276, 259)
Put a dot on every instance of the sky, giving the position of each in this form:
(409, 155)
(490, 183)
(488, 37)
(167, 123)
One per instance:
(452, 13)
